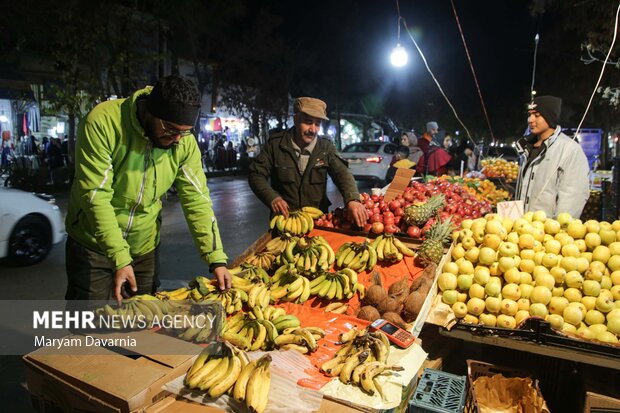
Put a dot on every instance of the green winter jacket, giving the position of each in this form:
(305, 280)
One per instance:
(278, 162)
(119, 180)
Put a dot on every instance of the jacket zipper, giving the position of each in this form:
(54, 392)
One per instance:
(141, 193)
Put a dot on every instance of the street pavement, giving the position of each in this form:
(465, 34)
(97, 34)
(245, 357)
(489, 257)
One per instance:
(242, 218)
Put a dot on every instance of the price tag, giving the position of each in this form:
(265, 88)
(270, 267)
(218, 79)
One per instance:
(399, 183)
(510, 209)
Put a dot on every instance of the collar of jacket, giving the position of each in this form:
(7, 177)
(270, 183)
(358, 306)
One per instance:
(551, 139)
(286, 145)
(133, 102)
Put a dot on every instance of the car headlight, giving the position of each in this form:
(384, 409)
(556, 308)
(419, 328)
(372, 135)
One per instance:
(46, 197)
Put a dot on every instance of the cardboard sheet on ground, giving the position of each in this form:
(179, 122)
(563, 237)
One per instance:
(285, 396)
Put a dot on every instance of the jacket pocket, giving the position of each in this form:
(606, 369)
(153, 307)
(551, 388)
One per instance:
(318, 175)
(286, 174)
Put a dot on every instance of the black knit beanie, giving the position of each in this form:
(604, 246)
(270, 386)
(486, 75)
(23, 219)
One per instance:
(174, 99)
(549, 108)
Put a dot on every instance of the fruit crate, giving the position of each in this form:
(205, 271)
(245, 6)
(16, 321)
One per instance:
(550, 336)
(438, 391)
(477, 369)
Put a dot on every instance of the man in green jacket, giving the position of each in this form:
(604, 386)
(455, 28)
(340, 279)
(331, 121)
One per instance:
(298, 161)
(129, 152)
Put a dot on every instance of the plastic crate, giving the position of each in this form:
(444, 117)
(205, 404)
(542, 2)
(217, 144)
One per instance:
(477, 369)
(438, 391)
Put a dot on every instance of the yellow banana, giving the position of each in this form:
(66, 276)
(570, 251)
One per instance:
(216, 374)
(259, 340)
(229, 378)
(242, 381)
(351, 363)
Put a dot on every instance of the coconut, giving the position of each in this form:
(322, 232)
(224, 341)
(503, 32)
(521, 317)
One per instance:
(368, 313)
(395, 318)
(399, 287)
(375, 294)
(427, 274)
(389, 305)
(413, 305)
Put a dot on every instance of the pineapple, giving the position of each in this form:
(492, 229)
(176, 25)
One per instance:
(439, 234)
(419, 214)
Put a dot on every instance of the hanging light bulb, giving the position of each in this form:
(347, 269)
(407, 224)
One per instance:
(399, 56)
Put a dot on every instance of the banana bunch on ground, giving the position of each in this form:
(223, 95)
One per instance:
(263, 259)
(299, 222)
(232, 300)
(309, 254)
(178, 294)
(250, 333)
(303, 340)
(336, 285)
(269, 313)
(287, 284)
(278, 244)
(249, 272)
(223, 368)
(389, 248)
(361, 359)
(336, 307)
(358, 256)
(259, 296)
(144, 308)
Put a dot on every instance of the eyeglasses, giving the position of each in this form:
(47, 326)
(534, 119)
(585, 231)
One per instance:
(168, 133)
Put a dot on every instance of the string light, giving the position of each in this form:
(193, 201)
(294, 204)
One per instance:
(399, 57)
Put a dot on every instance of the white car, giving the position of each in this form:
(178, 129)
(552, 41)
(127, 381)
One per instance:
(29, 225)
(369, 161)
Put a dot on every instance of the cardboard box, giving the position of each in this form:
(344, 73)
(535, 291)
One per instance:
(105, 381)
(174, 404)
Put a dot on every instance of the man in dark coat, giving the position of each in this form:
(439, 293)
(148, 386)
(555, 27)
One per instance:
(297, 161)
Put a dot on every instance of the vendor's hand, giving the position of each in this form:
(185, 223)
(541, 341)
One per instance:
(224, 279)
(357, 213)
(120, 276)
(279, 206)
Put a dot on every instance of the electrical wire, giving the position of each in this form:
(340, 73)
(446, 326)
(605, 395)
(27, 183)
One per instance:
(613, 42)
(400, 18)
(471, 65)
(536, 38)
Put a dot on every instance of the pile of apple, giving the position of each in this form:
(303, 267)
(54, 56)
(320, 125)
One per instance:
(387, 217)
(563, 270)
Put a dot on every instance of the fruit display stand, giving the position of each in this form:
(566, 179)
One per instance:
(304, 369)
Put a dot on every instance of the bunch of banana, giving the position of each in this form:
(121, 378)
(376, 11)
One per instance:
(286, 321)
(303, 340)
(178, 294)
(269, 313)
(232, 300)
(263, 259)
(336, 285)
(252, 385)
(389, 248)
(216, 369)
(298, 223)
(203, 285)
(309, 254)
(287, 284)
(249, 272)
(336, 307)
(250, 333)
(358, 256)
(278, 244)
(136, 311)
(259, 296)
(361, 359)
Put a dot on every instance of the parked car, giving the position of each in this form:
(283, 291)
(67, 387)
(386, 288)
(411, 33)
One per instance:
(29, 225)
(369, 160)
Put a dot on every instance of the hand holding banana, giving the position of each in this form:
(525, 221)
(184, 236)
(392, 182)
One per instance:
(299, 222)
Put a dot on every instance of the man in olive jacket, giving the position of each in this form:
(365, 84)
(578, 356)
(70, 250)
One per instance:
(129, 152)
(298, 161)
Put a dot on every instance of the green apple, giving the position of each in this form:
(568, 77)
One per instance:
(538, 310)
(464, 281)
(449, 296)
(492, 289)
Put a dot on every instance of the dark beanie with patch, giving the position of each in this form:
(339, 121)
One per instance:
(549, 108)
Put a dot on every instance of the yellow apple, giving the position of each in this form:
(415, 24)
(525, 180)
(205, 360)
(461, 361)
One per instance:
(553, 246)
(465, 267)
(581, 245)
(512, 275)
(528, 216)
(526, 290)
(573, 294)
(494, 269)
(589, 302)
(592, 225)
(488, 320)
(570, 250)
(557, 292)
(464, 281)
(538, 234)
(527, 254)
(506, 321)
(472, 254)
(523, 304)
(493, 290)
(550, 260)
(587, 255)
(607, 235)
(552, 226)
(594, 275)
(478, 234)
(521, 316)
(465, 232)
(539, 216)
(451, 267)
(507, 223)
(466, 223)
(513, 237)
(446, 281)
(614, 248)
(475, 306)
(468, 243)
(556, 321)
(527, 265)
(538, 256)
(508, 249)
(576, 229)
(558, 274)
(573, 279)
(582, 264)
(511, 291)
(458, 251)
(506, 263)
(601, 253)
(564, 219)
(519, 224)
(487, 256)
(545, 280)
(526, 241)
(616, 225)
(481, 275)
(494, 226)
(459, 309)
(492, 241)
(557, 305)
(546, 238)
(509, 307)
(525, 278)
(614, 263)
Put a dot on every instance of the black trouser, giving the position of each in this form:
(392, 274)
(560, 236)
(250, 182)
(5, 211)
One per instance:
(90, 275)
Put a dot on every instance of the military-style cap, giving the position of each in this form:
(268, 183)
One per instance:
(311, 106)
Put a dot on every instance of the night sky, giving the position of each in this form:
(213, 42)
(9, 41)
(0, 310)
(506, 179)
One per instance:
(353, 40)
